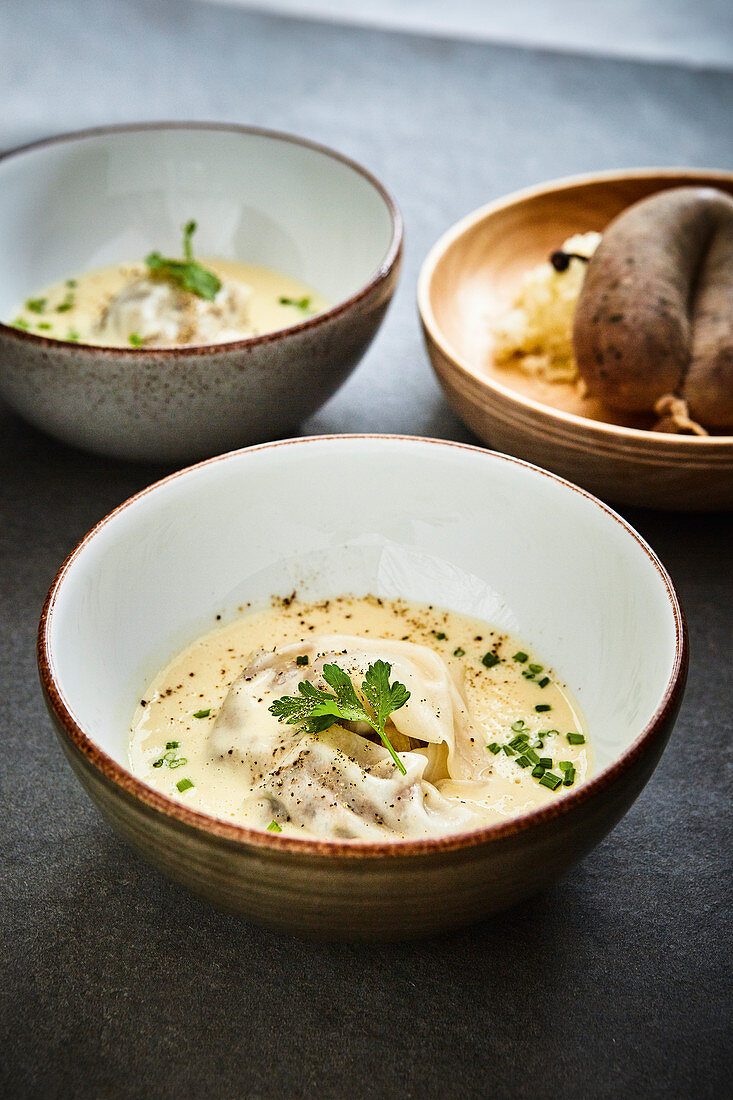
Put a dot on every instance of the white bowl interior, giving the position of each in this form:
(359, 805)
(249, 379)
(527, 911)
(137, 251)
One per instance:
(86, 202)
(466, 529)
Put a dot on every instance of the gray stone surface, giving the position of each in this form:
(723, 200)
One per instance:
(118, 984)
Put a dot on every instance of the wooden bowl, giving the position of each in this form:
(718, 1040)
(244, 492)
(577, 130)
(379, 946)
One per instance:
(470, 277)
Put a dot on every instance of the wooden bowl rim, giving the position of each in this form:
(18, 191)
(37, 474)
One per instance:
(538, 409)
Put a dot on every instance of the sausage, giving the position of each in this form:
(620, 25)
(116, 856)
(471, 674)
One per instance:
(708, 386)
(655, 315)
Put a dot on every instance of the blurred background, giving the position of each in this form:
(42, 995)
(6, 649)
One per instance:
(699, 32)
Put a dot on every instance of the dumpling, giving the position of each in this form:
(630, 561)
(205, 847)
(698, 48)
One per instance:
(339, 783)
(160, 314)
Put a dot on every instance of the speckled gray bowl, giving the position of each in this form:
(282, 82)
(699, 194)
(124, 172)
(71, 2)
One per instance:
(104, 196)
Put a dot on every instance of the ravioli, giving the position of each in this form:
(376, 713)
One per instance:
(159, 314)
(338, 783)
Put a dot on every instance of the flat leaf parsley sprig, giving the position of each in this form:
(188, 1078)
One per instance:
(186, 273)
(317, 710)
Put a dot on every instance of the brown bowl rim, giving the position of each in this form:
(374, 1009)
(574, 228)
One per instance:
(350, 849)
(390, 259)
(539, 409)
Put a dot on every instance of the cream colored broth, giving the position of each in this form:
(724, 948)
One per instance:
(248, 305)
(461, 788)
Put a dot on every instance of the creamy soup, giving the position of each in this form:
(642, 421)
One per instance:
(134, 305)
(487, 732)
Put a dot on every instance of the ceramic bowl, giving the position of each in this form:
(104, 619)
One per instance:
(100, 197)
(431, 521)
(470, 277)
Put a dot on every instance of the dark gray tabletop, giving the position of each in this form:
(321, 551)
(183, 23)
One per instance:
(119, 984)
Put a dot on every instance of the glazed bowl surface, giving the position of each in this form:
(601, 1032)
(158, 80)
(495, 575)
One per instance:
(470, 278)
(436, 522)
(101, 197)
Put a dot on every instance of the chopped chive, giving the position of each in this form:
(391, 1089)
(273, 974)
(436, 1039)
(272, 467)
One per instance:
(493, 747)
(575, 739)
(542, 707)
(440, 635)
(299, 303)
(550, 780)
(20, 323)
(489, 660)
(538, 772)
(71, 282)
(547, 733)
(537, 668)
(543, 682)
(202, 713)
(36, 305)
(64, 307)
(72, 335)
(566, 765)
(172, 744)
(273, 827)
(532, 755)
(523, 761)
(519, 742)
(518, 725)
(178, 762)
(528, 675)
(459, 652)
(135, 340)
(509, 751)
(569, 778)
(546, 761)
(44, 326)
(184, 785)
(158, 763)
(521, 657)
(303, 659)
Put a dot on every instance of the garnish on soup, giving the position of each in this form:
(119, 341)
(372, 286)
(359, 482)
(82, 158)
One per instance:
(187, 273)
(317, 710)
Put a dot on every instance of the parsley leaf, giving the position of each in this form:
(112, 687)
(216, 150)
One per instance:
(314, 709)
(189, 275)
(317, 710)
(383, 696)
(349, 704)
(186, 273)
